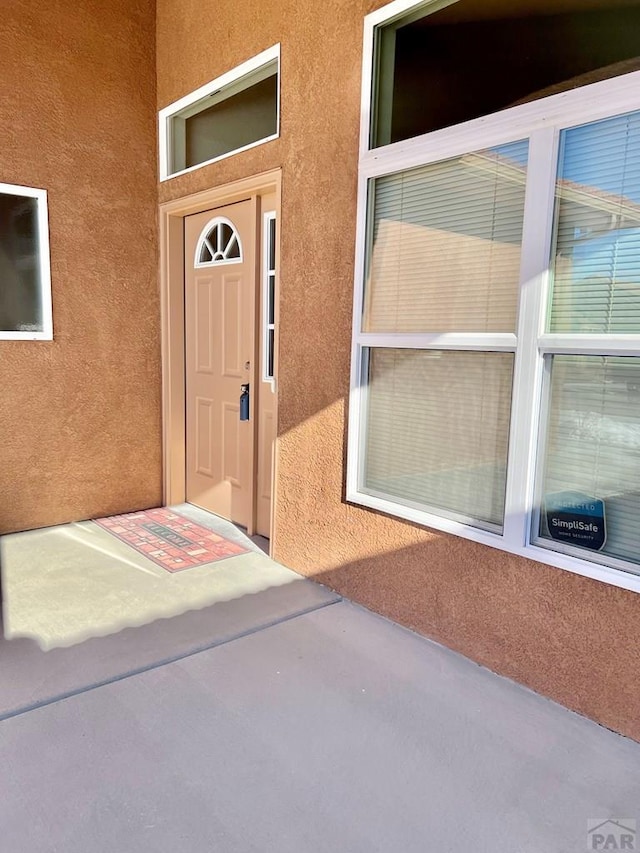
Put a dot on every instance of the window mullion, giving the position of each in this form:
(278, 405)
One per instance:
(481, 341)
(534, 280)
(568, 344)
(358, 388)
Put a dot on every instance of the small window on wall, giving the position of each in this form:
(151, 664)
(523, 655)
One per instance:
(232, 113)
(25, 287)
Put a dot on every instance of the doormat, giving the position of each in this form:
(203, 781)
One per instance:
(169, 539)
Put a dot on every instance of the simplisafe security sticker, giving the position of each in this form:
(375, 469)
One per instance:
(576, 519)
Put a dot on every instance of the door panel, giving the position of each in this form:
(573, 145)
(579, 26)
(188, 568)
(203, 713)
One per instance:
(232, 342)
(204, 436)
(204, 341)
(220, 344)
(231, 444)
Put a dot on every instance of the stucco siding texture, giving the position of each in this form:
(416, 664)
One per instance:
(80, 416)
(570, 638)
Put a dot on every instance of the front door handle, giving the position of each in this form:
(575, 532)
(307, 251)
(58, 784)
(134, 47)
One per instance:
(244, 402)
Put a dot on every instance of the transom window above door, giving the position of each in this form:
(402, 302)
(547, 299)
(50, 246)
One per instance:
(234, 112)
(219, 243)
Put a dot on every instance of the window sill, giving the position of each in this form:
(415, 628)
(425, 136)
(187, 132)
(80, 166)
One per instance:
(26, 336)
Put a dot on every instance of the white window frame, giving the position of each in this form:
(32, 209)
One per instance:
(44, 258)
(541, 122)
(267, 270)
(215, 91)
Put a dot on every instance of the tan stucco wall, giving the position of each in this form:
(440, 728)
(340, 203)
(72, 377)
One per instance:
(570, 638)
(80, 417)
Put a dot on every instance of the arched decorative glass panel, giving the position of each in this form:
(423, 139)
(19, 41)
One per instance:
(219, 243)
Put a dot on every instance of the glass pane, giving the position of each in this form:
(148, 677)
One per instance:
(271, 300)
(445, 245)
(205, 255)
(224, 236)
(232, 249)
(437, 67)
(437, 431)
(270, 352)
(239, 120)
(592, 460)
(20, 297)
(596, 263)
(271, 262)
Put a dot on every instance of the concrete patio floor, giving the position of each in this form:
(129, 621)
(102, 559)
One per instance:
(62, 585)
(307, 725)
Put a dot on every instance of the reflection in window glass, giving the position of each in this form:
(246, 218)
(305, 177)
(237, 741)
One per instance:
(239, 120)
(593, 448)
(445, 245)
(20, 273)
(435, 69)
(437, 431)
(596, 263)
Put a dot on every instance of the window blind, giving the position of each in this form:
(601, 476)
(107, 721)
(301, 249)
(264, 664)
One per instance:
(445, 245)
(596, 270)
(437, 431)
(593, 442)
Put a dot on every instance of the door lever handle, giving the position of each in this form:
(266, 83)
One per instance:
(244, 402)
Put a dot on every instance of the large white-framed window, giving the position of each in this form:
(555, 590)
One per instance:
(495, 390)
(25, 271)
(235, 112)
